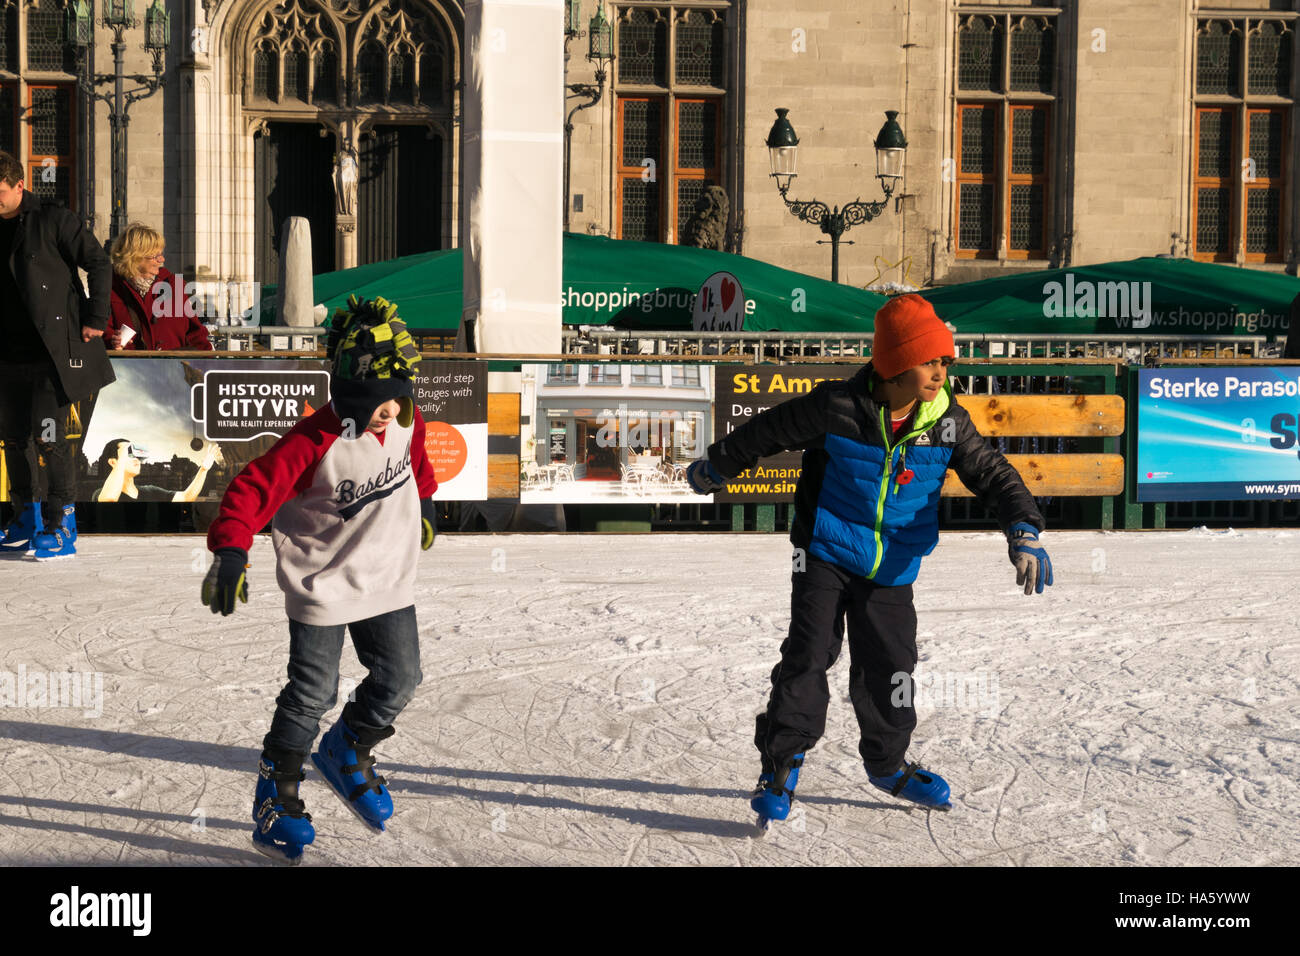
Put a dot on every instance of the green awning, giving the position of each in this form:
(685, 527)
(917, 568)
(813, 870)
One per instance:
(638, 285)
(1184, 297)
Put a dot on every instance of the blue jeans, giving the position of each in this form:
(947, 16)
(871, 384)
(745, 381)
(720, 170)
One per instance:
(387, 645)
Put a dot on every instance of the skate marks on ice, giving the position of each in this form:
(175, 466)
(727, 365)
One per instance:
(590, 700)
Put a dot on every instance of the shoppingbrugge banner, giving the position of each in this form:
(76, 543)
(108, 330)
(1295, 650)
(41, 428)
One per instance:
(1218, 434)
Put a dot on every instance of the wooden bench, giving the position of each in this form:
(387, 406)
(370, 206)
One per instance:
(1052, 416)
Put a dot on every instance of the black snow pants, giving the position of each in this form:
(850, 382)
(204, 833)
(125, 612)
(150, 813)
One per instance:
(882, 655)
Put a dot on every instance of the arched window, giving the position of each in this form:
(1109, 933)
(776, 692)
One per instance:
(402, 54)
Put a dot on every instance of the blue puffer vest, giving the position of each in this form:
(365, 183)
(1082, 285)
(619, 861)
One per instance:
(867, 521)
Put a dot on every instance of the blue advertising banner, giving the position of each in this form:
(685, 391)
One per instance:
(1209, 434)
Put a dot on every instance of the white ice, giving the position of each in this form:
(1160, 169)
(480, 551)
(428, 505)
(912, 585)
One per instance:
(590, 700)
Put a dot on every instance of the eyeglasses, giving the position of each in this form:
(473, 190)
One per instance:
(158, 258)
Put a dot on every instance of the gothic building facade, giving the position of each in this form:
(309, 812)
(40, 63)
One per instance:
(1039, 133)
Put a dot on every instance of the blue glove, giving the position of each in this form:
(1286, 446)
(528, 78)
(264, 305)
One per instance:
(704, 478)
(428, 523)
(1033, 566)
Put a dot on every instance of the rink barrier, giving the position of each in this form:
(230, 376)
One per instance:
(1090, 376)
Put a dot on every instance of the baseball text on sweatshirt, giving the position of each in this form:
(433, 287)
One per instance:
(346, 516)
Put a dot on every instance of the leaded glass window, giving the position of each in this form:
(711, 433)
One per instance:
(1263, 221)
(295, 75)
(324, 85)
(47, 39)
(697, 134)
(51, 121)
(1242, 161)
(701, 45)
(1270, 59)
(643, 47)
(370, 73)
(296, 41)
(642, 132)
(1213, 215)
(1026, 229)
(670, 140)
(1029, 141)
(401, 77)
(979, 53)
(1214, 144)
(1267, 141)
(1033, 55)
(9, 38)
(431, 82)
(979, 140)
(1218, 58)
(266, 74)
(975, 216)
(640, 206)
(9, 118)
(1006, 74)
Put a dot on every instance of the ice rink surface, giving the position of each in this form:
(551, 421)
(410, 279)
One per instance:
(590, 700)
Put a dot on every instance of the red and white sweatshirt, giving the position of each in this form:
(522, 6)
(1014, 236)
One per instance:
(346, 513)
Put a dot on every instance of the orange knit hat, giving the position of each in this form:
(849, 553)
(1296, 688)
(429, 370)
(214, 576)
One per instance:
(908, 334)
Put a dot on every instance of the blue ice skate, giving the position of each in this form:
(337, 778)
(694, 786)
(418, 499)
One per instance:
(19, 532)
(58, 541)
(772, 796)
(345, 761)
(283, 823)
(919, 786)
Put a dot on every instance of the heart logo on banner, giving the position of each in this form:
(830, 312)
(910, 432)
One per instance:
(728, 294)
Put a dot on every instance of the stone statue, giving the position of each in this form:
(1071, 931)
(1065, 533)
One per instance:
(346, 174)
(707, 228)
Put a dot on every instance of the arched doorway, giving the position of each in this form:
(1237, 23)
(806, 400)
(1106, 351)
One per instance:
(350, 105)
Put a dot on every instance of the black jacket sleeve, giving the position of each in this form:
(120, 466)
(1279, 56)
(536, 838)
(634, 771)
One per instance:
(990, 477)
(796, 423)
(80, 248)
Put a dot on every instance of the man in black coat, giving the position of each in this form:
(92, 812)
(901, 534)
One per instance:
(51, 351)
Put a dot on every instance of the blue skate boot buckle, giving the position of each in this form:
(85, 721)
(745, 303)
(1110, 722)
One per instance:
(924, 787)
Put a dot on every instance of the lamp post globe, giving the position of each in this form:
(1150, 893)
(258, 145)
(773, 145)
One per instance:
(782, 147)
(891, 145)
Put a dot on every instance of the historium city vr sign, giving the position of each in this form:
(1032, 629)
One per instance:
(241, 405)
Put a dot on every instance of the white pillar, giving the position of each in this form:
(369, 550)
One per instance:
(513, 115)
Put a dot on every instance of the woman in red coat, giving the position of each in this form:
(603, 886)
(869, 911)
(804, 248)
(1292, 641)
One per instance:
(156, 318)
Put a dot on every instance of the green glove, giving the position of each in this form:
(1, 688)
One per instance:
(226, 580)
(428, 523)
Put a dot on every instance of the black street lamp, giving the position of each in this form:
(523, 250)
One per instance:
(600, 50)
(890, 147)
(119, 15)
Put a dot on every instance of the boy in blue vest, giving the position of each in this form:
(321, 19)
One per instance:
(876, 449)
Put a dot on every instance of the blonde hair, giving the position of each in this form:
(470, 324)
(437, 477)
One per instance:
(137, 243)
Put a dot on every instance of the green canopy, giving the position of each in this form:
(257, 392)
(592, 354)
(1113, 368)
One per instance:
(1184, 297)
(639, 285)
